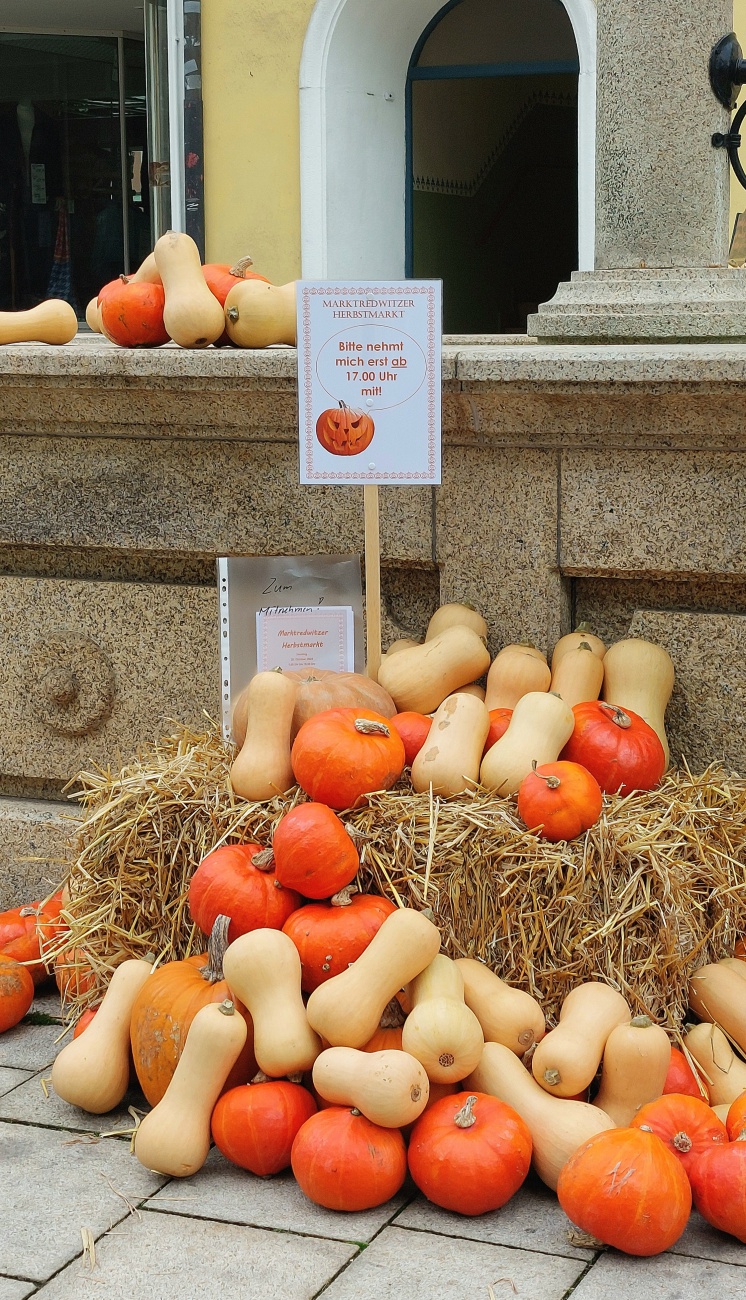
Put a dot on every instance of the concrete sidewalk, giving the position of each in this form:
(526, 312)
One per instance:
(225, 1233)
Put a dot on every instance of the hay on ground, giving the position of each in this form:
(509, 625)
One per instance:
(655, 889)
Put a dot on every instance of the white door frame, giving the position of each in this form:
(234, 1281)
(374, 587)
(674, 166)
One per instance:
(353, 77)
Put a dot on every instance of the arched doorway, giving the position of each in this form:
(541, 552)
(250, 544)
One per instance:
(353, 94)
(492, 171)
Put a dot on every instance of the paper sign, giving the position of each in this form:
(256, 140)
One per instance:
(369, 382)
(296, 639)
(38, 183)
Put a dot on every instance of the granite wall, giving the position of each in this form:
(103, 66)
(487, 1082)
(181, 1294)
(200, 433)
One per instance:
(598, 483)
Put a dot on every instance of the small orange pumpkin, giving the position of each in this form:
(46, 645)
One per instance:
(559, 801)
(132, 314)
(314, 855)
(344, 432)
(344, 1162)
(340, 756)
(329, 936)
(16, 992)
(499, 723)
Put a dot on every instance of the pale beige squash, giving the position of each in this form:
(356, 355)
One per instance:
(93, 1071)
(258, 314)
(507, 1015)
(146, 273)
(174, 1138)
(573, 640)
(717, 994)
(566, 1060)
(346, 1010)
(450, 759)
(419, 679)
(639, 675)
(723, 1071)
(263, 970)
(578, 676)
(472, 689)
(389, 1088)
(516, 671)
(52, 321)
(262, 768)
(403, 643)
(557, 1127)
(440, 1030)
(93, 316)
(635, 1064)
(192, 315)
(456, 615)
(539, 729)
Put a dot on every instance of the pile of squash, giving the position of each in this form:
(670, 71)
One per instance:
(172, 296)
(334, 1037)
(535, 730)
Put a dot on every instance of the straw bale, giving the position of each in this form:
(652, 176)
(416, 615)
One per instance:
(655, 889)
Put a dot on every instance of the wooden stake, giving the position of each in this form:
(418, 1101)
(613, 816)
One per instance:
(372, 580)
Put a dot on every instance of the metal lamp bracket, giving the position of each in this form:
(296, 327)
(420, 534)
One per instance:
(727, 75)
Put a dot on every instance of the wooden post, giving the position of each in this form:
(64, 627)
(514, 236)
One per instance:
(372, 580)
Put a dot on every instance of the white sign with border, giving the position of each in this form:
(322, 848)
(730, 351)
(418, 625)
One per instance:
(321, 636)
(369, 382)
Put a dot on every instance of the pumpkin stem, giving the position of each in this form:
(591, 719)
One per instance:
(552, 1077)
(242, 266)
(264, 861)
(465, 1117)
(682, 1142)
(618, 716)
(641, 1022)
(393, 1016)
(212, 971)
(344, 897)
(553, 782)
(227, 1008)
(367, 727)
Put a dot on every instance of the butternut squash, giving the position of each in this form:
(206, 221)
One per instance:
(717, 994)
(192, 315)
(263, 970)
(635, 1064)
(557, 1127)
(734, 964)
(93, 1071)
(456, 615)
(403, 643)
(516, 671)
(146, 273)
(440, 1030)
(389, 1088)
(566, 1060)
(258, 314)
(578, 676)
(262, 769)
(573, 640)
(540, 727)
(723, 1071)
(449, 760)
(639, 675)
(346, 1010)
(507, 1015)
(93, 316)
(722, 1111)
(52, 321)
(174, 1138)
(419, 679)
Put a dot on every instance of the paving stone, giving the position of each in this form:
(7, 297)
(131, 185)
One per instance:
(705, 1242)
(54, 1185)
(531, 1220)
(223, 1191)
(422, 1265)
(12, 1288)
(167, 1257)
(28, 1103)
(10, 1079)
(663, 1277)
(47, 1002)
(29, 1047)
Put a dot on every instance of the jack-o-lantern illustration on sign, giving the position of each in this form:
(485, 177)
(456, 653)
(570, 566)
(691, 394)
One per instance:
(343, 431)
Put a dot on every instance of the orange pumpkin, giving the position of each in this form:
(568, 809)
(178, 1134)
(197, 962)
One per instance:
(340, 756)
(321, 689)
(19, 937)
(469, 1153)
(313, 852)
(227, 882)
(165, 1008)
(16, 992)
(559, 801)
(627, 1189)
(736, 1121)
(329, 936)
(344, 1162)
(682, 1079)
(220, 279)
(687, 1125)
(132, 314)
(255, 1125)
(73, 973)
(620, 749)
(499, 723)
(414, 729)
(344, 432)
(719, 1186)
(82, 1023)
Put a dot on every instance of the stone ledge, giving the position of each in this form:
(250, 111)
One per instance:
(34, 838)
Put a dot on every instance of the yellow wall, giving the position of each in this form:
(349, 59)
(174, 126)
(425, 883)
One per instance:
(250, 63)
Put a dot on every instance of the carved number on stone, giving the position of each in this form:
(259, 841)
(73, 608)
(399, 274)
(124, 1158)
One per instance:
(71, 683)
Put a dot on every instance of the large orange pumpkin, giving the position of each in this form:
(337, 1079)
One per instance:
(617, 746)
(132, 314)
(344, 432)
(321, 689)
(16, 992)
(227, 882)
(340, 756)
(469, 1153)
(165, 1008)
(314, 854)
(330, 936)
(559, 801)
(687, 1125)
(627, 1189)
(344, 1162)
(255, 1125)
